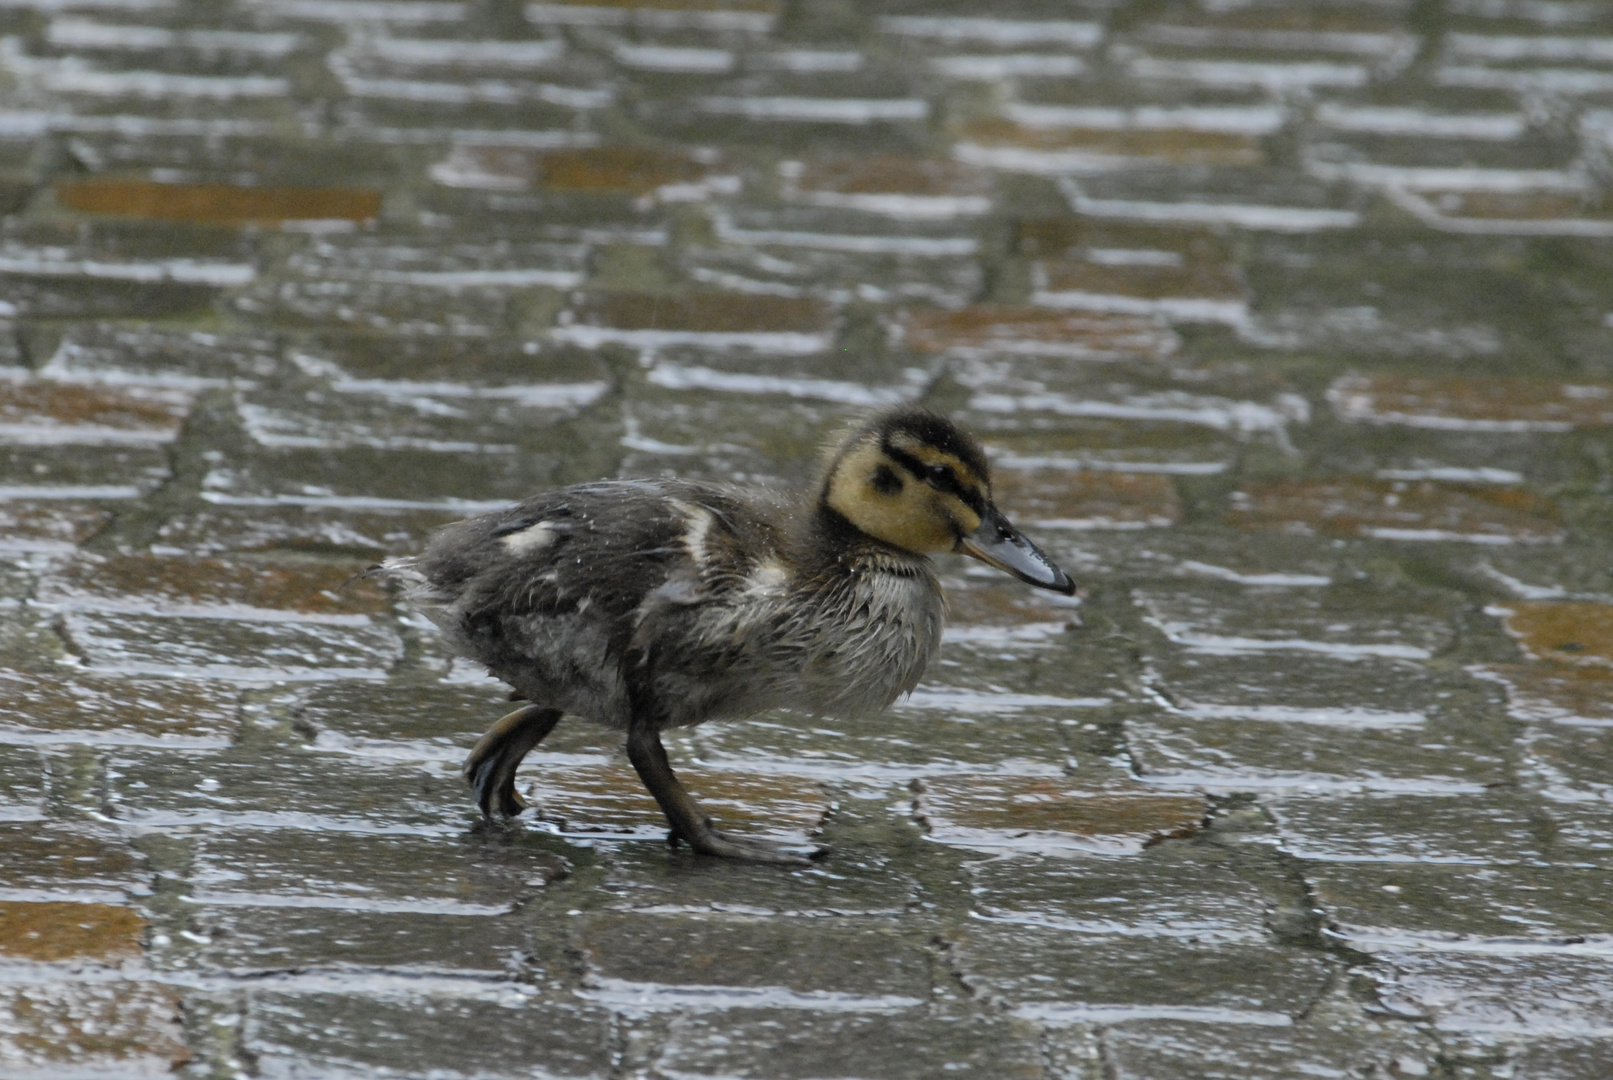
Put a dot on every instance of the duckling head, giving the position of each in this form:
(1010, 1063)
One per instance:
(916, 481)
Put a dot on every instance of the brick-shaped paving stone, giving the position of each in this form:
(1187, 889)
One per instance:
(125, 1029)
(1397, 510)
(1041, 813)
(796, 1045)
(329, 1030)
(1450, 404)
(217, 204)
(38, 710)
(52, 931)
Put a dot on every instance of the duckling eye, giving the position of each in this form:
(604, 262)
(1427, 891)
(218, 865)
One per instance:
(939, 474)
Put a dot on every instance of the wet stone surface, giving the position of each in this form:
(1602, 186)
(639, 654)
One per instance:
(1288, 330)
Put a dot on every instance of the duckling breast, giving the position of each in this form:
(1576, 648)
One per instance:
(874, 643)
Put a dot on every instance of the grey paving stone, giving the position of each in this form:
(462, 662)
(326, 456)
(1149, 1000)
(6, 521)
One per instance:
(1562, 1058)
(642, 958)
(158, 354)
(909, 740)
(230, 649)
(1062, 977)
(1242, 755)
(345, 871)
(1493, 827)
(118, 472)
(479, 1028)
(243, 941)
(1375, 905)
(345, 476)
(22, 785)
(1172, 890)
(281, 788)
(860, 879)
(1582, 832)
(1164, 1049)
(1516, 993)
(789, 1044)
(1344, 624)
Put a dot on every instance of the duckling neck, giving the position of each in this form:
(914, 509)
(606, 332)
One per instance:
(831, 545)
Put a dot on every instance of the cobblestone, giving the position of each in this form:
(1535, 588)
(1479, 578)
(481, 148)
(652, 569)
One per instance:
(1287, 328)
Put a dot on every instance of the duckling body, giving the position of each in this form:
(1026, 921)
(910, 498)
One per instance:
(649, 604)
(703, 600)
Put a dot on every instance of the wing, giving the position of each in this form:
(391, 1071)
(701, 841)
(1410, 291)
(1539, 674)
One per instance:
(552, 589)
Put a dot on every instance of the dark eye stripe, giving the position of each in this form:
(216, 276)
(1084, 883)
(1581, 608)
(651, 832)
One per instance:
(940, 476)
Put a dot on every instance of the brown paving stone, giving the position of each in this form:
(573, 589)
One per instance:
(1060, 236)
(1206, 284)
(1002, 328)
(902, 186)
(62, 859)
(45, 707)
(159, 581)
(1562, 632)
(1062, 499)
(120, 1029)
(50, 931)
(1177, 146)
(46, 526)
(1396, 510)
(1460, 404)
(1039, 811)
(35, 409)
(1575, 693)
(612, 799)
(606, 170)
(218, 204)
(1518, 206)
(632, 169)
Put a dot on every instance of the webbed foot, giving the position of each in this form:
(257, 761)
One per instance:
(490, 767)
(710, 841)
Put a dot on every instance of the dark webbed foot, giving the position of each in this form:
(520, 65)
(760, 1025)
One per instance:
(490, 768)
(710, 841)
(689, 825)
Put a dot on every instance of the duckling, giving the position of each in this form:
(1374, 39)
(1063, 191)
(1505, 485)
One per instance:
(652, 604)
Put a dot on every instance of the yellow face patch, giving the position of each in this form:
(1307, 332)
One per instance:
(884, 500)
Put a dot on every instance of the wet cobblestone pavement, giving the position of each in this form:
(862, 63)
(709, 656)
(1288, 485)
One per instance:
(1289, 327)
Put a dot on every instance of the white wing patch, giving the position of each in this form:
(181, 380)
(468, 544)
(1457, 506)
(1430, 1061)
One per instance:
(694, 537)
(767, 579)
(534, 537)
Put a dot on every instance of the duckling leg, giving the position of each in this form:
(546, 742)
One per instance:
(688, 822)
(491, 766)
